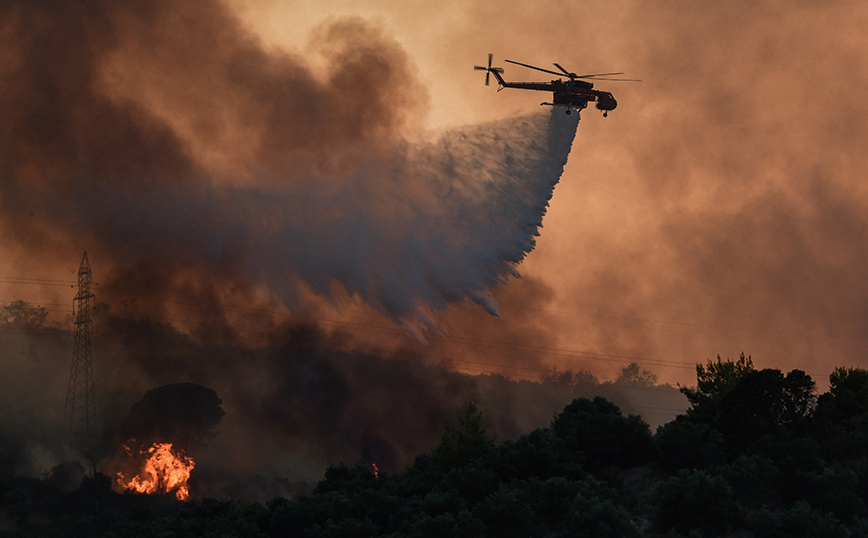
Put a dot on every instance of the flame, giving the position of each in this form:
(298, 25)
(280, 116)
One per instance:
(165, 470)
(376, 470)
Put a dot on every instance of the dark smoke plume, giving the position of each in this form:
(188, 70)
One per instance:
(194, 162)
(298, 406)
(291, 408)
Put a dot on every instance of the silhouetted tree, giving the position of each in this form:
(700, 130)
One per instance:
(181, 413)
(632, 374)
(841, 416)
(688, 444)
(568, 378)
(530, 455)
(597, 434)
(66, 476)
(592, 516)
(464, 442)
(800, 521)
(24, 315)
(347, 480)
(761, 400)
(713, 381)
(695, 500)
(847, 398)
(461, 525)
(507, 512)
(755, 481)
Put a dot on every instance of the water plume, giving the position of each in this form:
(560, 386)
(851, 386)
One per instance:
(431, 223)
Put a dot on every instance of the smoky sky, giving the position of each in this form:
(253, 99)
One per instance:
(720, 208)
(193, 160)
(748, 169)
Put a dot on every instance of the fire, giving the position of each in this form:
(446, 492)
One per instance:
(376, 470)
(165, 470)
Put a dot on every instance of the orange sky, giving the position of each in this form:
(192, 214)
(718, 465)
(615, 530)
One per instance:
(720, 209)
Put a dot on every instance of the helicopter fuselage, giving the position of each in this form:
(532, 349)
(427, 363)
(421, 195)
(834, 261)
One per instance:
(569, 93)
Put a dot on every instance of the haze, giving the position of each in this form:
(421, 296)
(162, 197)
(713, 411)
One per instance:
(718, 210)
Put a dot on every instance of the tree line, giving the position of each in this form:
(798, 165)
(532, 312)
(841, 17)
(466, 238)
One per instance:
(757, 453)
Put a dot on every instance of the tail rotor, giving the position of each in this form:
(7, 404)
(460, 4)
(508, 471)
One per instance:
(488, 70)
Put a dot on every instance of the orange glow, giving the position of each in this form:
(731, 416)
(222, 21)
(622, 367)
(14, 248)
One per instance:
(165, 470)
(376, 470)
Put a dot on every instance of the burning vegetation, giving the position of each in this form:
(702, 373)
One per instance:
(164, 470)
(167, 423)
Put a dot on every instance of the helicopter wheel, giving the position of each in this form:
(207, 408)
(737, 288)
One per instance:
(605, 114)
(569, 112)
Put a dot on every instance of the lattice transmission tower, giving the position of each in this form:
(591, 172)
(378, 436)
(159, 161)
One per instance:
(80, 411)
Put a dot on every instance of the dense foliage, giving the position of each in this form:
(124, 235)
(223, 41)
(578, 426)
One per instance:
(757, 454)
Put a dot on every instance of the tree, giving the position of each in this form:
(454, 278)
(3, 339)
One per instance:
(464, 442)
(184, 414)
(688, 444)
(347, 480)
(802, 520)
(762, 400)
(507, 512)
(568, 378)
(712, 383)
(23, 314)
(848, 394)
(841, 417)
(598, 435)
(596, 515)
(799, 390)
(695, 500)
(632, 374)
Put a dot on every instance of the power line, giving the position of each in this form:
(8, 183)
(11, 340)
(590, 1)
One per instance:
(798, 332)
(82, 355)
(369, 328)
(278, 314)
(36, 281)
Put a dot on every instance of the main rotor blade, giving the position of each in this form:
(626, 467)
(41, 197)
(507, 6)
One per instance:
(616, 79)
(598, 75)
(490, 57)
(534, 67)
(594, 76)
(567, 73)
(573, 75)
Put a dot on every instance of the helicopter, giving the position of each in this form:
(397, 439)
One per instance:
(572, 94)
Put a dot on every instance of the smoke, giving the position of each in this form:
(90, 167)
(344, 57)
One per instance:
(192, 161)
(298, 406)
(199, 169)
(267, 421)
(751, 225)
(720, 208)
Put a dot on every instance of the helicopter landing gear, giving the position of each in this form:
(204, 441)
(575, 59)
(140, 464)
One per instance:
(569, 112)
(605, 114)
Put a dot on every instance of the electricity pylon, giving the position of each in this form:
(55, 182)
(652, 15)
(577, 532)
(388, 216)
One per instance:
(80, 411)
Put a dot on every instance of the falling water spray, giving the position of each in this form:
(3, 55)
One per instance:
(431, 223)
